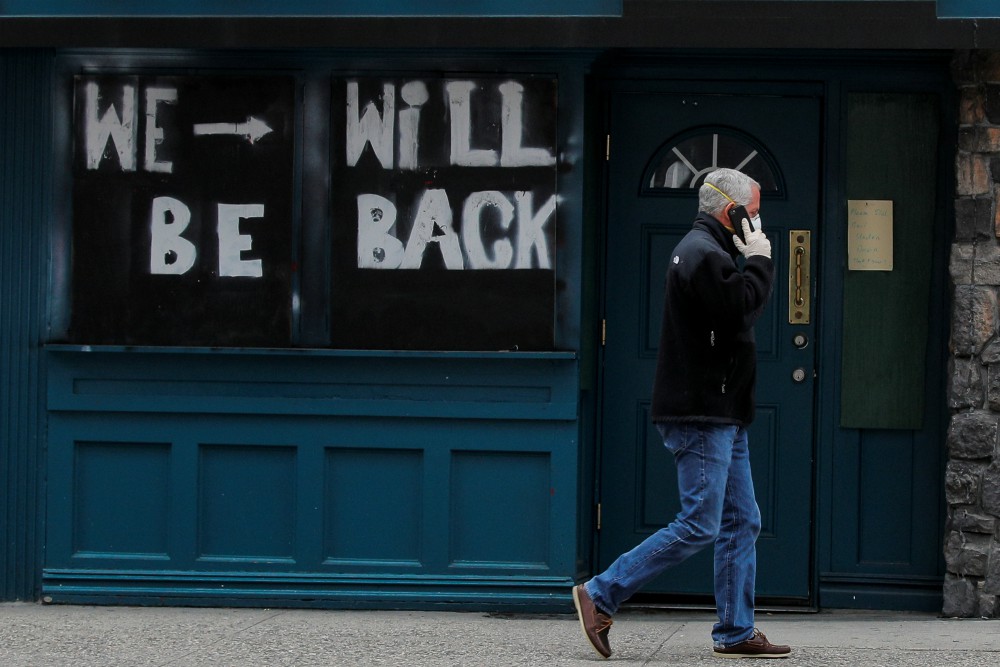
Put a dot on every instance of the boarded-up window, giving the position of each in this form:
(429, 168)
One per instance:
(182, 210)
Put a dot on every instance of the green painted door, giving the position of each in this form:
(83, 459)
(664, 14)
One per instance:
(662, 144)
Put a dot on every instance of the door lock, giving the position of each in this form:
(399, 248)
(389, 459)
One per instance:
(799, 375)
(799, 276)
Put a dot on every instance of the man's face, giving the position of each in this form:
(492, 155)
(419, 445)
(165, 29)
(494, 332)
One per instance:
(753, 208)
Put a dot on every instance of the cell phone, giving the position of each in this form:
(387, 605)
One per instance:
(737, 215)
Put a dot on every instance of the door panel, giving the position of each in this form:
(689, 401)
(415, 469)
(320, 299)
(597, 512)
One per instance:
(638, 481)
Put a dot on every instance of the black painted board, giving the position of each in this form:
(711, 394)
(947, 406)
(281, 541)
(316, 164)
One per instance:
(187, 150)
(468, 260)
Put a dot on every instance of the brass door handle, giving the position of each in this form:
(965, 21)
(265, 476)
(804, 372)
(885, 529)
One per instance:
(799, 276)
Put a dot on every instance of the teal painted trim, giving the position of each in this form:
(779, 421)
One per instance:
(311, 352)
(550, 594)
(313, 8)
(968, 9)
(25, 165)
(469, 387)
(889, 593)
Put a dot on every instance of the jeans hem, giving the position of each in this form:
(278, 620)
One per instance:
(718, 644)
(594, 599)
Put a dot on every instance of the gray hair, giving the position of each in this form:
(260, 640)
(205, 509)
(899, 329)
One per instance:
(734, 183)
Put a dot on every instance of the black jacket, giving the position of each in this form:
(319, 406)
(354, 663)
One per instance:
(707, 362)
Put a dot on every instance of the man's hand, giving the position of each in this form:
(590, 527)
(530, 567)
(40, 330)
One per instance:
(756, 244)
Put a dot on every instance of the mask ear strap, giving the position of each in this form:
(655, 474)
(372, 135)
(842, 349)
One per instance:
(720, 192)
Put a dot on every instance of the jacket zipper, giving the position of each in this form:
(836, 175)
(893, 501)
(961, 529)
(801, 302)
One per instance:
(729, 372)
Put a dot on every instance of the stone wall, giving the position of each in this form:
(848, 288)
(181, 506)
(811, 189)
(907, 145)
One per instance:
(972, 482)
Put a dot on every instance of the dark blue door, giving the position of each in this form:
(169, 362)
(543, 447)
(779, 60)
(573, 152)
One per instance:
(662, 144)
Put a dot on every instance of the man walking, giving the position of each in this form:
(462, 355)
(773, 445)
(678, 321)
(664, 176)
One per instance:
(703, 401)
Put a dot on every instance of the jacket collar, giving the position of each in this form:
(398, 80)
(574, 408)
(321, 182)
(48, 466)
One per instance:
(715, 229)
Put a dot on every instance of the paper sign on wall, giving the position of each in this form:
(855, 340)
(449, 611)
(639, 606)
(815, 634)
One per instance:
(869, 234)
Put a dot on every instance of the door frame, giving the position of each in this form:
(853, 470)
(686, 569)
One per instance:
(783, 122)
(837, 75)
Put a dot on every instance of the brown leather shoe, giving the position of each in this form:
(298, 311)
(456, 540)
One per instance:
(755, 647)
(595, 624)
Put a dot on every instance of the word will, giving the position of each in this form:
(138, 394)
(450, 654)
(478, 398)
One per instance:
(369, 127)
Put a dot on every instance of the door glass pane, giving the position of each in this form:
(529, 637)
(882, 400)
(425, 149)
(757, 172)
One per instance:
(682, 163)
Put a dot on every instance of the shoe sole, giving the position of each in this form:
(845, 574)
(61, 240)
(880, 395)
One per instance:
(751, 656)
(583, 628)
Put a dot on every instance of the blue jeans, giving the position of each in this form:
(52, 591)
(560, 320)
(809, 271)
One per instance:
(717, 506)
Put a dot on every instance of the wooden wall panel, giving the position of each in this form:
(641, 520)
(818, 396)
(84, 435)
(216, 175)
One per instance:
(25, 153)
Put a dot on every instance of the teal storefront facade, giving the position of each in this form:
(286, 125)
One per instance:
(384, 434)
(275, 460)
(293, 317)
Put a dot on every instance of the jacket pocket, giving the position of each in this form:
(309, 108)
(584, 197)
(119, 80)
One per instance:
(730, 371)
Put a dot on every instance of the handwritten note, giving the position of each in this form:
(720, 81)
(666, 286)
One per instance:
(869, 234)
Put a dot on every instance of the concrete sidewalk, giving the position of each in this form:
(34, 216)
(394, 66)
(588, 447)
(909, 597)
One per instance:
(52, 636)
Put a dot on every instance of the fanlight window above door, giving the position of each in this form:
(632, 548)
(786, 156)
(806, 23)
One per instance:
(681, 164)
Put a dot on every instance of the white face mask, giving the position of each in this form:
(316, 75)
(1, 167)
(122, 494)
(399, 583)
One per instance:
(757, 224)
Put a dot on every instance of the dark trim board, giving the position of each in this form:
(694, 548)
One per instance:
(783, 24)
(494, 594)
(897, 594)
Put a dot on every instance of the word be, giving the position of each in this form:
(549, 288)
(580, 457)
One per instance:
(172, 254)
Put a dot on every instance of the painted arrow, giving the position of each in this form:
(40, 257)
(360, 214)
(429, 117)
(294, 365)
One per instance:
(253, 129)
